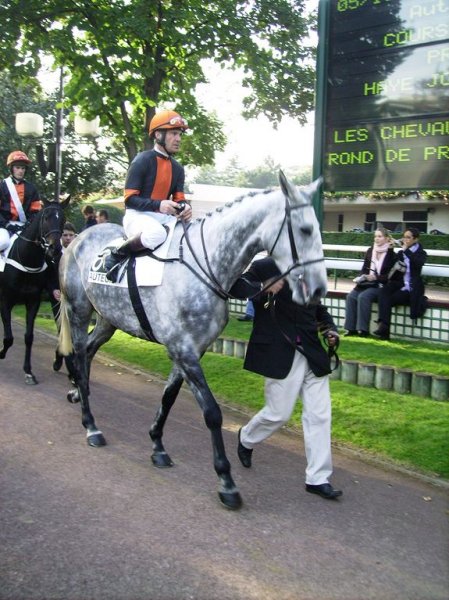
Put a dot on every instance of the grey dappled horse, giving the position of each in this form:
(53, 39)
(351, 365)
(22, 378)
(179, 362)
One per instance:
(189, 310)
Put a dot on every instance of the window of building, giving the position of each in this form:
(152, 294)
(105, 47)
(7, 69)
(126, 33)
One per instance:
(370, 222)
(416, 218)
(340, 223)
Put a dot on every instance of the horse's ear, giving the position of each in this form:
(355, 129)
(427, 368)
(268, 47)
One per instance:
(287, 188)
(315, 185)
(64, 204)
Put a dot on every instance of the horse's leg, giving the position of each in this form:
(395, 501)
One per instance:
(8, 339)
(58, 360)
(32, 307)
(228, 493)
(160, 457)
(85, 346)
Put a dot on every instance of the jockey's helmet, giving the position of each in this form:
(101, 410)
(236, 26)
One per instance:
(18, 158)
(167, 119)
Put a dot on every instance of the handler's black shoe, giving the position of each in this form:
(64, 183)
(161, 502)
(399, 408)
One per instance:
(244, 453)
(325, 490)
(350, 333)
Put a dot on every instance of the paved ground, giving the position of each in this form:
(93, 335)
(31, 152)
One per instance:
(78, 523)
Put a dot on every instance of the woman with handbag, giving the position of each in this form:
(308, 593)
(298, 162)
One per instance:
(378, 262)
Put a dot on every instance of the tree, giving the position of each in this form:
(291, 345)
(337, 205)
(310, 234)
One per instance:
(124, 58)
(82, 173)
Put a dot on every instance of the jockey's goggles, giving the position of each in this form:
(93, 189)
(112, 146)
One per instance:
(175, 121)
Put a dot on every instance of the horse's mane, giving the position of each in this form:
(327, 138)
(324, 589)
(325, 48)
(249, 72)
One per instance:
(229, 205)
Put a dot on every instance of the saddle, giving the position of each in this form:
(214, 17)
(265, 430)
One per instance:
(149, 265)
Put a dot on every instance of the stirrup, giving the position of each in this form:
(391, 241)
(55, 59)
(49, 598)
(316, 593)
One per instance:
(112, 274)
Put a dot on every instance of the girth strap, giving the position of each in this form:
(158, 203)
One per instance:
(136, 301)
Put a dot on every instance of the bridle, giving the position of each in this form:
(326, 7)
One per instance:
(208, 277)
(42, 238)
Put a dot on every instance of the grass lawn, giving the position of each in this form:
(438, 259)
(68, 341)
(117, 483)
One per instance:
(405, 429)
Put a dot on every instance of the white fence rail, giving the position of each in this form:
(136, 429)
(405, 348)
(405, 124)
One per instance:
(355, 264)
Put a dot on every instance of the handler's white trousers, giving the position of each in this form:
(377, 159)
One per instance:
(148, 224)
(280, 400)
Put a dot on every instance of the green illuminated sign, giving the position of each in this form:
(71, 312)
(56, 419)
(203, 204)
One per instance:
(387, 95)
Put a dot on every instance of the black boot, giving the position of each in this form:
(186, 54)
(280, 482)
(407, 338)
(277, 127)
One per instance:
(383, 331)
(114, 260)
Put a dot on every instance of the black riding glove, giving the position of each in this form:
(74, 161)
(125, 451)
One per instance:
(13, 228)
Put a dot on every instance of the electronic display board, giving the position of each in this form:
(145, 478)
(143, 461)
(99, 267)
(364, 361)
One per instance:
(387, 95)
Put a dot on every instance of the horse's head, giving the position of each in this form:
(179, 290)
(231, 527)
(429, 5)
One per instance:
(48, 224)
(297, 247)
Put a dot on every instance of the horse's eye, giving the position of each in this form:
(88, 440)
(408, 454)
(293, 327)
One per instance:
(306, 230)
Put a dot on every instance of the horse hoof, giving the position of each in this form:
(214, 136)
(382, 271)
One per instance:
(96, 439)
(73, 396)
(57, 363)
(30, 379)
(161, 460)
(231, 500)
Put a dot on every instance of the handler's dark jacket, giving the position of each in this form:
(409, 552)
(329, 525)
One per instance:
(28, 197)
(153, 177)
(269, 353)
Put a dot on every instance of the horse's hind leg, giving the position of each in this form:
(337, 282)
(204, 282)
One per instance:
(228, 493)
(160, 457)
(85, 348)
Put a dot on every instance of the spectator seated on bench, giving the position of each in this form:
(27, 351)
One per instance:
(408, 290)
(377, 265)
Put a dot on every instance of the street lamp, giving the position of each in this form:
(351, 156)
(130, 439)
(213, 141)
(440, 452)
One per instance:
(31, 125)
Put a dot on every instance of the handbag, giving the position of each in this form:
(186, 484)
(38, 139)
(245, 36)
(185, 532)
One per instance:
(363, 283)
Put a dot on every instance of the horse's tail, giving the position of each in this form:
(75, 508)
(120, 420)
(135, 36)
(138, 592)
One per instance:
(65, 346)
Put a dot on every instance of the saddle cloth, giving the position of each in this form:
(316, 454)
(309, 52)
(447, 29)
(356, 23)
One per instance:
(149, 271)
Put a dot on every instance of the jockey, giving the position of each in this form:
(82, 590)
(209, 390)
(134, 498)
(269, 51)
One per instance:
(154, 187)
(19, 199)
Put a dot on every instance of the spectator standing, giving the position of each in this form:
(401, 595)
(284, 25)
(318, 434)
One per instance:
(249, 312)
(102, 216)
(89, 216)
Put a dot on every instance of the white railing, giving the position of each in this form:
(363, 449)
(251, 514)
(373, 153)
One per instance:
(355, 264)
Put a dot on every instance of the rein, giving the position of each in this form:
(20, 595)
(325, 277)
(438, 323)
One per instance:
(208, 277)
(41, 238)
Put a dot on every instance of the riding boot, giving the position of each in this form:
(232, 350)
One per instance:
(119, 255)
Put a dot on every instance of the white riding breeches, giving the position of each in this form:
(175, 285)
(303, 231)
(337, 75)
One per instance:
(280, 399)
(4, 239)
(148, 224)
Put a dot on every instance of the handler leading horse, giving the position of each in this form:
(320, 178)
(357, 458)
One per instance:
(25, 274)
(189, 310)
